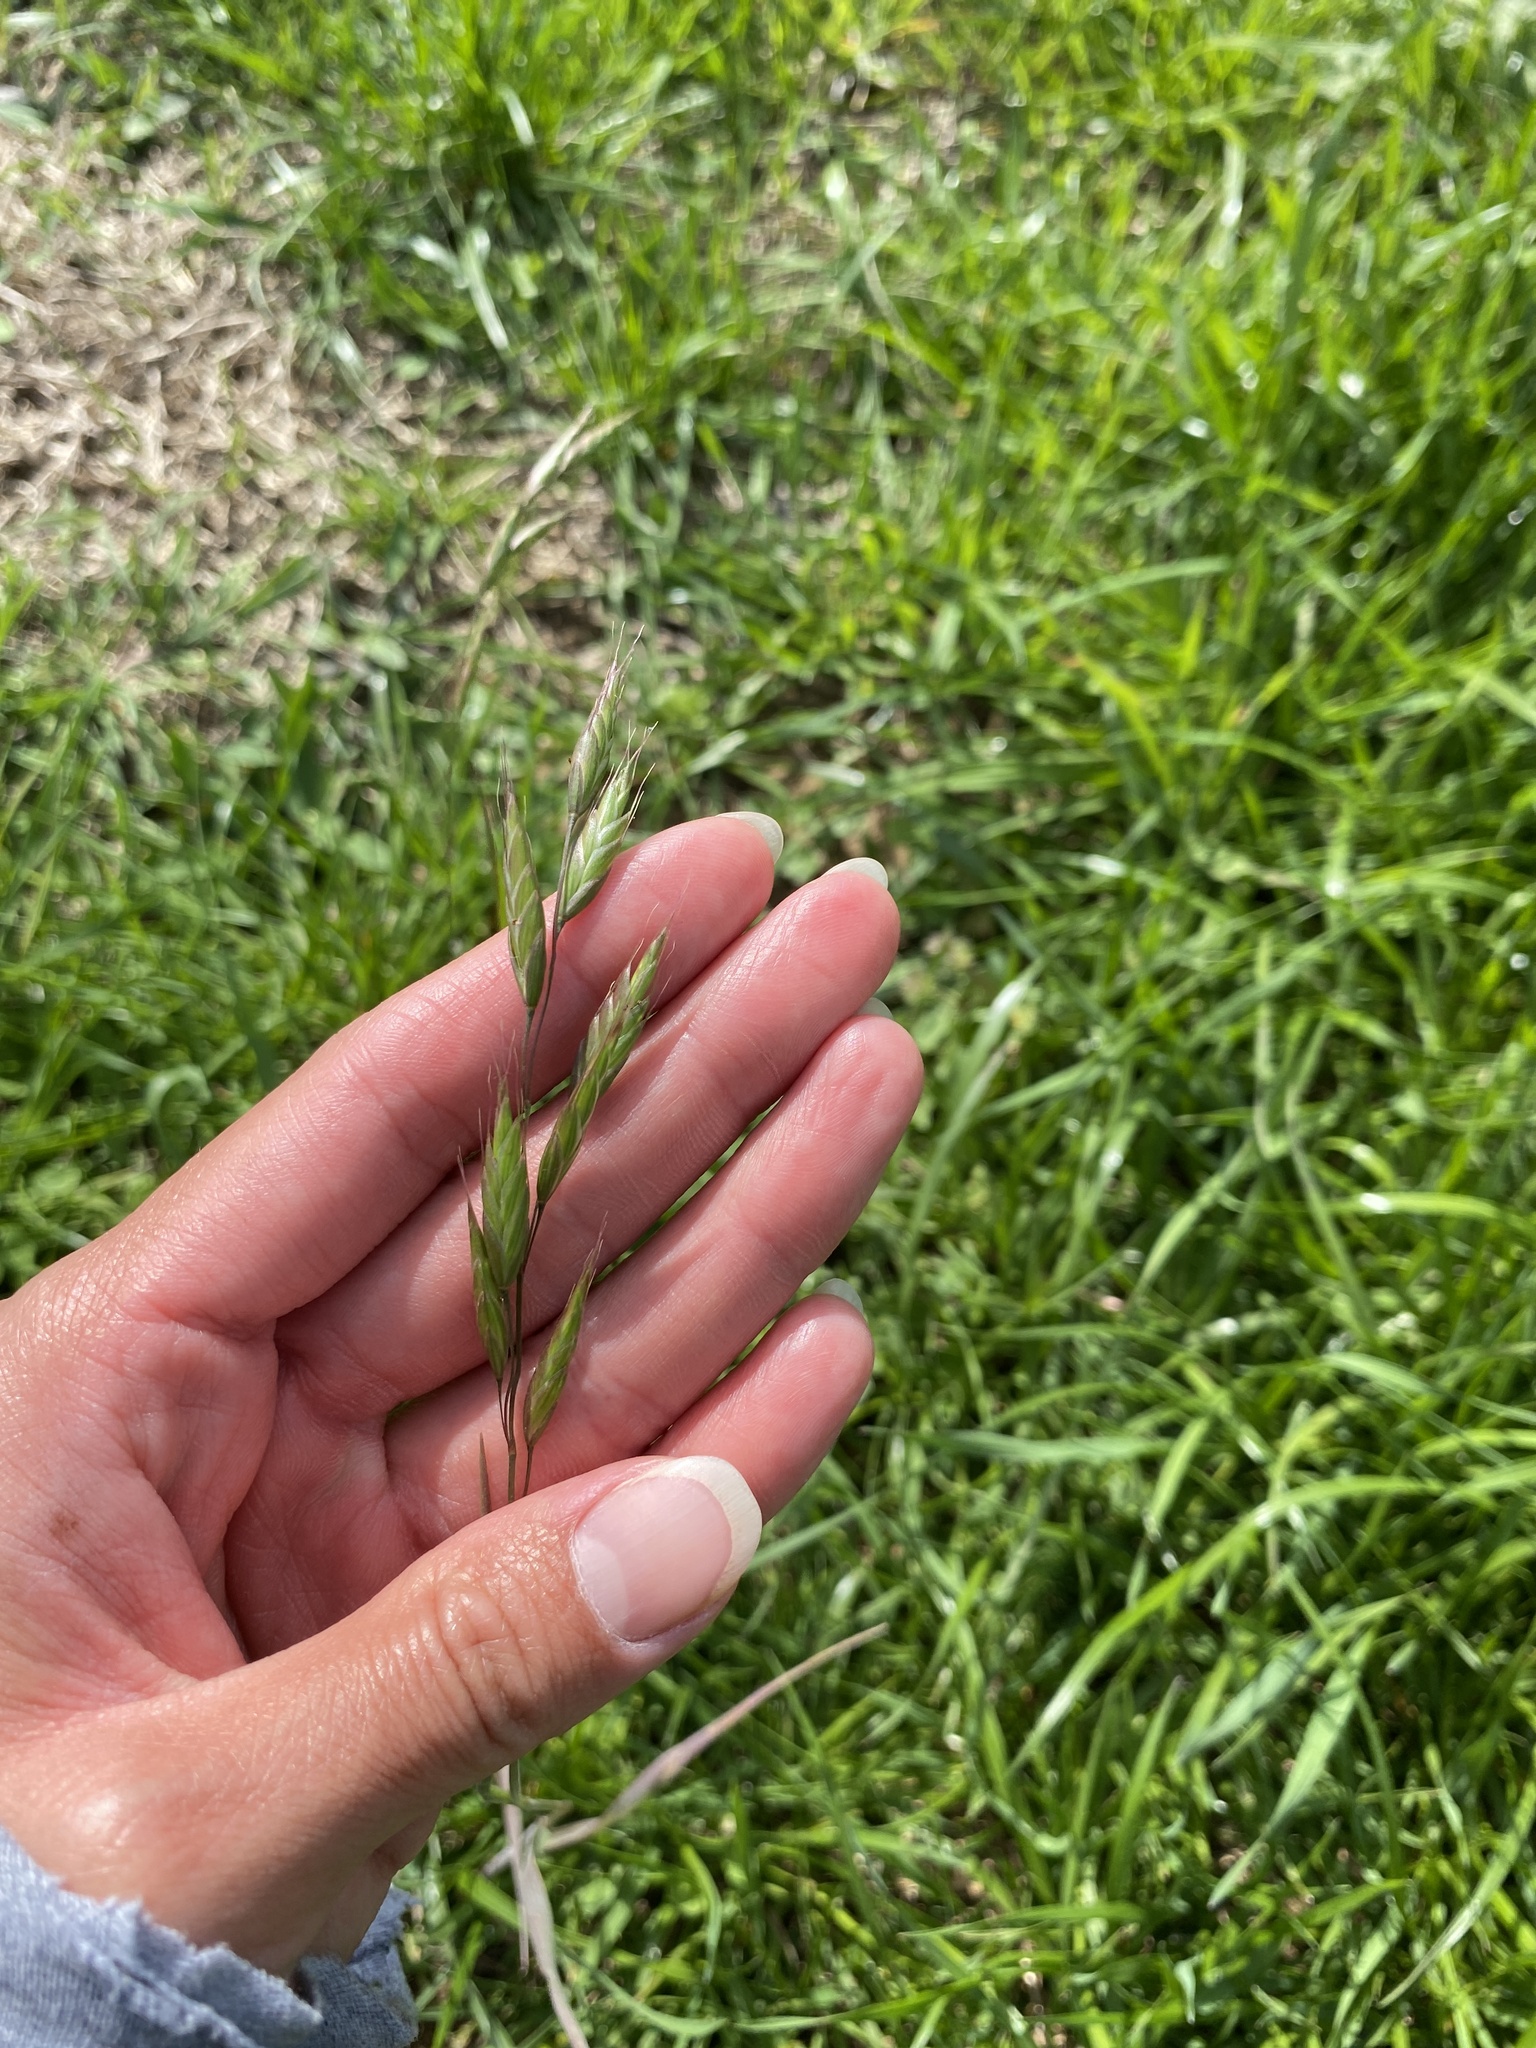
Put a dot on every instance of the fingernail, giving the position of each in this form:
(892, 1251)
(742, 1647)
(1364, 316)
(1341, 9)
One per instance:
(873, 1008)
(841, 1290)
(862, 866)
(767, 829)
(665, 1545)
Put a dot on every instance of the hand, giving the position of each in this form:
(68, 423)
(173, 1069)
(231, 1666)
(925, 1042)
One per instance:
(253, 1628)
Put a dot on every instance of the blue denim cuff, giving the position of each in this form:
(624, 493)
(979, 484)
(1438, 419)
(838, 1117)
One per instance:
(80, 1973)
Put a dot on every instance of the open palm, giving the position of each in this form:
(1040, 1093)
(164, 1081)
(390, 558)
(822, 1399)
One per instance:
(253, 1629)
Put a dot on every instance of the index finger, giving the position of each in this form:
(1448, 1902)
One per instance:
(288, 1199)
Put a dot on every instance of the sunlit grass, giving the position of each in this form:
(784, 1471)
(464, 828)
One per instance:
(1082, 457)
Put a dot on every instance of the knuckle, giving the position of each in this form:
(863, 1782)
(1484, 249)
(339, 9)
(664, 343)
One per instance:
(482, 1662)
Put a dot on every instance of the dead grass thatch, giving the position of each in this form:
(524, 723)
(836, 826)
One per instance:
(157, 410)
(146, 398)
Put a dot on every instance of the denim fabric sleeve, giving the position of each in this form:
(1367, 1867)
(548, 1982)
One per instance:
(77, 1973)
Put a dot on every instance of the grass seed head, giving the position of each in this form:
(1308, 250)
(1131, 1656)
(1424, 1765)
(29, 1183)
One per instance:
(525, 910)
(600, 790)
(593, 758)
(609, 1040)
(490, 1300)
(641, 980)
(610, 1016)
(549, 1376)
(642, 976)
(618, 1024)
(504, 1195)
(570, 1128)
(598, 842)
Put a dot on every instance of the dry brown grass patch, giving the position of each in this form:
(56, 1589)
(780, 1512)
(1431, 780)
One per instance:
(156, 396)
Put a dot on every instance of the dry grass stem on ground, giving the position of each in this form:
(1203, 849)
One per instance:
(520, 1854)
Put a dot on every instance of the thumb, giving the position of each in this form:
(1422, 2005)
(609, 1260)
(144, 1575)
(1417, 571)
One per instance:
(282, 1792)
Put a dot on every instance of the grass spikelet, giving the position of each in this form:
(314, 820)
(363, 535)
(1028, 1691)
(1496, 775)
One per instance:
(504, 1196)
(525, 910)
(570, 1127)
(594, 751)
(547, 1381)
(598, 844)
(609, 1041)
(490, 1300)
(642, 979)
(601, 1032)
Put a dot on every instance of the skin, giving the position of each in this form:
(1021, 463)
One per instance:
(253, 1628)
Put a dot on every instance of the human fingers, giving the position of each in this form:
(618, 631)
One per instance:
(243, 1809)
(339, 1508)
(317, 1174)
(814, 1366)
(663, 1327)
(402, 1324)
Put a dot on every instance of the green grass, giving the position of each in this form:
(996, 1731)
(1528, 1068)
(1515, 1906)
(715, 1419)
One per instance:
(1081, 454)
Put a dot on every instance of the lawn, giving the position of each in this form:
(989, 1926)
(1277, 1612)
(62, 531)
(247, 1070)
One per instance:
(1081, 454)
